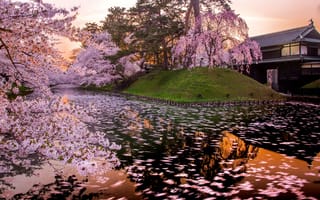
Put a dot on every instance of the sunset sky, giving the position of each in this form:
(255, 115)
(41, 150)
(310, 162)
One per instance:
(262, 16)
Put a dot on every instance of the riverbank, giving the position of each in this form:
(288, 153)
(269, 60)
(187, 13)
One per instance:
(204, 103)
(201, 85)
(305, 99)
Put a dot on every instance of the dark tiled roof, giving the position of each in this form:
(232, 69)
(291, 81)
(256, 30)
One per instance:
(283, 37)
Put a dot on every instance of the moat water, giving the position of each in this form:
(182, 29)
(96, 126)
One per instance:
(170, 152)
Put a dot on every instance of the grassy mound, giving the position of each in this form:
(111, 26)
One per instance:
(311, 89)
(200, 84)
(312, 85)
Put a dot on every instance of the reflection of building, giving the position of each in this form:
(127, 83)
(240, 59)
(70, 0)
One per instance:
(291, 58)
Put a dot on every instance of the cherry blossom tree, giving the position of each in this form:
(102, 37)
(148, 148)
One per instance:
(91, 66)
(222, 41)
(43, 126)
(27, 32)
(132, 64)
(196, 7)
(94, 65)
(245, 54)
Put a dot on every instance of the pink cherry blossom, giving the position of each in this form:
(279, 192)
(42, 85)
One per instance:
(42, 124)
(222, 41)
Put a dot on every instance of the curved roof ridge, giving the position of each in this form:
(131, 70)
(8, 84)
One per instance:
(278, 32)
(283, 37)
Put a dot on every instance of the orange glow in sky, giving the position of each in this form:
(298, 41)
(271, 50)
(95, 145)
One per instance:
(265, 16)
(262, 16)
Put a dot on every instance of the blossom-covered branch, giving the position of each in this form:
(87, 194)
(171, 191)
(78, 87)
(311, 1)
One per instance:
(43, 126)
(93, 65)
(222, 41)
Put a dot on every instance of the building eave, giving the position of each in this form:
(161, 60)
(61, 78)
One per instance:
(311, 40)
(291, 59)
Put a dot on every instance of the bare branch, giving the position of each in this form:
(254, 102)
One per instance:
(8, 52)
(10, 58)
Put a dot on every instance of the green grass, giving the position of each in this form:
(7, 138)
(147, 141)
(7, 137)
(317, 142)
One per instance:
(23, 91)
(108, 87)
(313, 85)
(200, 84)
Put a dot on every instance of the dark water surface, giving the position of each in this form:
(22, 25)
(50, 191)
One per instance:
(257, 152)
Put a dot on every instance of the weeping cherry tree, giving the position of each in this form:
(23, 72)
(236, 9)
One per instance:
(221, 41)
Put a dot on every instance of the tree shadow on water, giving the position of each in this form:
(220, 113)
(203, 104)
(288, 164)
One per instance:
(61, 188)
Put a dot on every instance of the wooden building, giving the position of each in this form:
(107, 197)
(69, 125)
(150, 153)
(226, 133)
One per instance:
(291, 58)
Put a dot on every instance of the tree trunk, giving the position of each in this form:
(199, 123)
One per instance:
(165, 55)
(195, 6)
(187, 20)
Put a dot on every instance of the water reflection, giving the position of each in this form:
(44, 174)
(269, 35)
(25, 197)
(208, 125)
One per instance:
(198, 153)
(293, 130)
(196, 165)
(15, 164)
